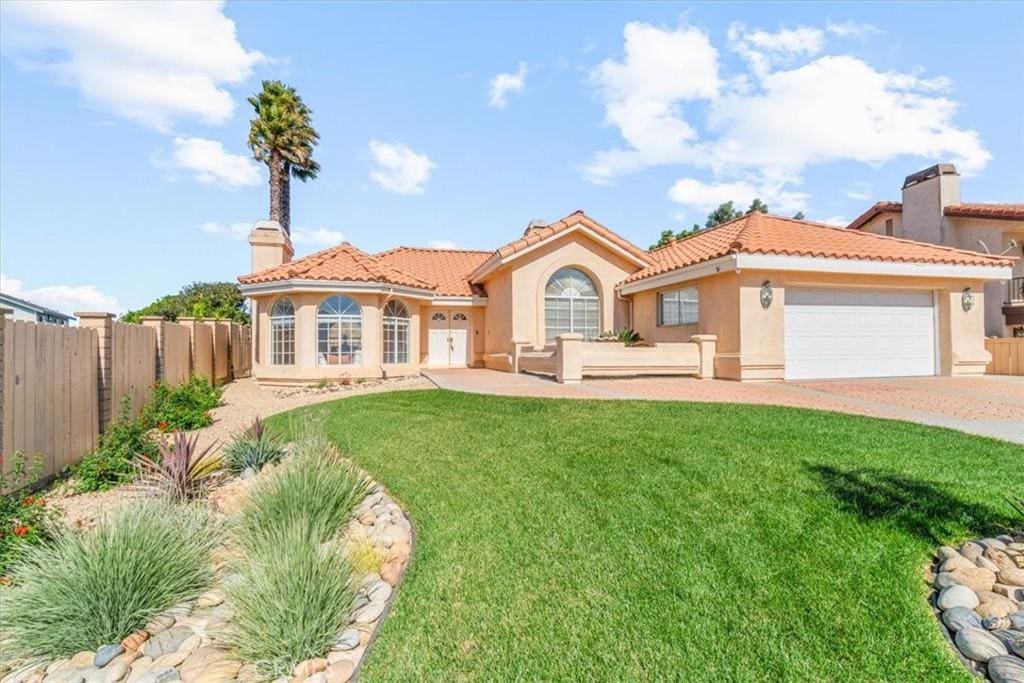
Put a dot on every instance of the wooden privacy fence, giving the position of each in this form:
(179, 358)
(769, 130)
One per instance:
(60, 387)
(1007, 356)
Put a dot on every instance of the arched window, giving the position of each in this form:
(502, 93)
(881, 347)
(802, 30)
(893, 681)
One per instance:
(282, 333)
(396, 332)
(571, 305)
(339, 332)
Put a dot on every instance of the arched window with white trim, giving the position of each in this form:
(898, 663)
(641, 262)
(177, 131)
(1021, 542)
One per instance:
(282, 333)
(396, 332)
(571, 305)
(339, 332)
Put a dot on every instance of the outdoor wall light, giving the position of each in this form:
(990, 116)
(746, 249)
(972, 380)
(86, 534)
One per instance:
(766, 294)
(967, 299)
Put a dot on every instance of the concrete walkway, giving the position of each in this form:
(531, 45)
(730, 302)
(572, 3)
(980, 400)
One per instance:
(990, 406)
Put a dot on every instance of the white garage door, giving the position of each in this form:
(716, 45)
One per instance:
(833, 333)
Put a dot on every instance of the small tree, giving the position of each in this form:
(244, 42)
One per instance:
(757, 205)
(206, 300)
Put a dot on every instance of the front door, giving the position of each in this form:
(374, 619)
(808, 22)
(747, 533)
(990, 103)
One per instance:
(448, 339)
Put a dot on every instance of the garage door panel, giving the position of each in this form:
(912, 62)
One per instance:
(839, 333)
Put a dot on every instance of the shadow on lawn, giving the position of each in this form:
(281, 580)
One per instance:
(918, 507)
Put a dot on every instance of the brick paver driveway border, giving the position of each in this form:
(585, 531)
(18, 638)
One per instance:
(990, 406)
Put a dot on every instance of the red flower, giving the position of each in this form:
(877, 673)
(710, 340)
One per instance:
(41, 502)
(28, 501)
(5, 580)
(162, 425)
(21, 530)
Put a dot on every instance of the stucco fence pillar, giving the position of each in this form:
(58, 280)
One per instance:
(569, 358)
(3, 366)
(706, 346)
(517, 351)
(103, 323)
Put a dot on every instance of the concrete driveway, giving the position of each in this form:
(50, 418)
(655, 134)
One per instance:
(990, 405)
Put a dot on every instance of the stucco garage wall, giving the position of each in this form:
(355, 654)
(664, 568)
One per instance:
(961, 337)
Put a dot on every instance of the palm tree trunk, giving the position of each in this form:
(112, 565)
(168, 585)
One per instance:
(276, 187)
(286, 199)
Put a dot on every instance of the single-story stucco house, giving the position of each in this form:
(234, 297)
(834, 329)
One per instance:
(760, 298)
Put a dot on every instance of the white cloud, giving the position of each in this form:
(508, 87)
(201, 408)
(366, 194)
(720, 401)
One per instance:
(321, 237)
(763, 50)
(398, 168)
(151, 62)
(757, 130)
(209, 163)
(836, 220)
(705, 197)
(441, 244)
(64, 298)
(852, 29)
(860, 191)
(643, 94)
(234, 231)
(505, 84)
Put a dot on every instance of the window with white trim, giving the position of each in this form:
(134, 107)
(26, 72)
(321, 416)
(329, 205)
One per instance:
(678, 307)
(571, 305)
(282, 333)
(396, 332)
(339, 332)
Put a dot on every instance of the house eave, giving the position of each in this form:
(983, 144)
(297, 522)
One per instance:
(281, 286)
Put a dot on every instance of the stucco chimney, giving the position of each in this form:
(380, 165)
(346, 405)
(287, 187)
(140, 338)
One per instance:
(271, 245)
(925, 195)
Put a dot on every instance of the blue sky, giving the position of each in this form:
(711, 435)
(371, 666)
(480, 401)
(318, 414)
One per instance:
(124, 172)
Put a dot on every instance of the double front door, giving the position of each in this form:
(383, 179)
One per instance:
(448, 341)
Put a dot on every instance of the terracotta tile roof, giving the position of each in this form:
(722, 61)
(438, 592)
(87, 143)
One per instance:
(759, 233)
(877, 208)
(344, 263)
(974, 210)
(1012, 211)
(534, 235)
(447, 269)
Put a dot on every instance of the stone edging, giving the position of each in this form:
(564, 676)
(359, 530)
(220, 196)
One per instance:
(978, 597)
(181, 644)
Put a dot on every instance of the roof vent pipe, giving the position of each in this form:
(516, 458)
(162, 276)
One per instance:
(535, 224)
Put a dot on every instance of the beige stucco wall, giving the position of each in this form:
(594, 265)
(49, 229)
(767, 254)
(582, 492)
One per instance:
(965, 233)
(515, 309)
(751, 338)
(306, 369)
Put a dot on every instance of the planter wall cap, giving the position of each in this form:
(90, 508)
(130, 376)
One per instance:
(704, 337)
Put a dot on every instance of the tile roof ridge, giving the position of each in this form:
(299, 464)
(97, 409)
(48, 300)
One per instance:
(872, 236)
(457, 250)
(698, 233)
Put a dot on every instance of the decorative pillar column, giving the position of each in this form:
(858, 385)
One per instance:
(569, 358)
(706, 345)
(103, 323)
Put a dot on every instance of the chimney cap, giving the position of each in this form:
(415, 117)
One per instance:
(929, 173)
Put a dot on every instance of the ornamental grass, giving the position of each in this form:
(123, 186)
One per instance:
(90, 588)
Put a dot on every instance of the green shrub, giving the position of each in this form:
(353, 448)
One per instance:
(626, 335)
(25, 519)
(185, 407)
(252, 449)
(114, 460)
(320, 487)
(86, 589)
(291, 597)
(183, 472)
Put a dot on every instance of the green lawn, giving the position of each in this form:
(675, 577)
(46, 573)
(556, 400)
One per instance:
(615, 540)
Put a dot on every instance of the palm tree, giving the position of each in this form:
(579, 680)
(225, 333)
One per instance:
(282, 136)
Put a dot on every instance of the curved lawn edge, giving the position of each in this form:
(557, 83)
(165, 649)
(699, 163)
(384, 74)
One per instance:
(376, 425)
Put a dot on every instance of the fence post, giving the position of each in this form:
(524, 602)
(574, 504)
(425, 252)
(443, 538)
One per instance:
(103, 323)
(706, 347)
(569, 358)
(3, 366)
(157, 323)
(190, 323)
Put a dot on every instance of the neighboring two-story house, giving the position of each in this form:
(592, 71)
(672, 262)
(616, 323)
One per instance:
(932, 211)
(28, 311)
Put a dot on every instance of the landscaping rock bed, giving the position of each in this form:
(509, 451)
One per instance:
(978, 595)
(186, 643)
